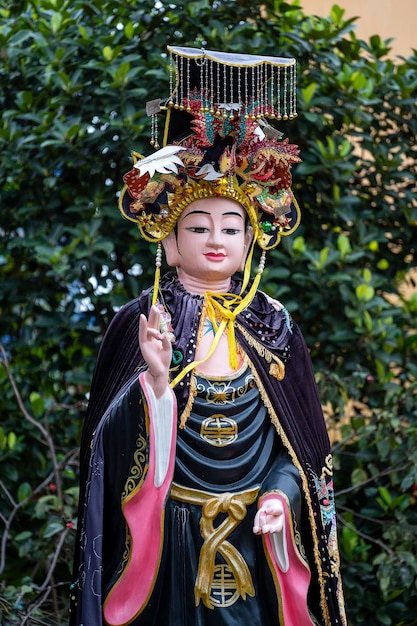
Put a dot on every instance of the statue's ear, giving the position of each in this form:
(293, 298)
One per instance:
(248, 241)
(171, 249)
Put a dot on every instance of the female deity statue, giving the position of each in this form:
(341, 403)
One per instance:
(206, 492)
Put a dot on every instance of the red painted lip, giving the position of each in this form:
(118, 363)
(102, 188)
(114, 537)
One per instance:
(215, 256)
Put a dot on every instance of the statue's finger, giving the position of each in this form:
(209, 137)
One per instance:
(154, 317)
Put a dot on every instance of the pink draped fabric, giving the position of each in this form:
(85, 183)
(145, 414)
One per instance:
(144, 515)
(294, 582)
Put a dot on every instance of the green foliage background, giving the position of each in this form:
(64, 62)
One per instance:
(74, 79)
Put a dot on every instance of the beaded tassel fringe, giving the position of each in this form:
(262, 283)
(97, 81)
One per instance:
(158, 263)
(259, 87)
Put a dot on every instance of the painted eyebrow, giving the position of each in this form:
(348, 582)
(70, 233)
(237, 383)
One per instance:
(200, 212)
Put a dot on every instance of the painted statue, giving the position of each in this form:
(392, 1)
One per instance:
(206, 494)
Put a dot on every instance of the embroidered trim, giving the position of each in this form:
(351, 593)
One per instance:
(325, 495)
(137, 470)
(277, 367)
(191, 397)
(328, 468)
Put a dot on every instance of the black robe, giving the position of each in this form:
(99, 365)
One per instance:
(293, 408)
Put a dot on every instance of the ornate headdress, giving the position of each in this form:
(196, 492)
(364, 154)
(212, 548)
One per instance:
(218, 142)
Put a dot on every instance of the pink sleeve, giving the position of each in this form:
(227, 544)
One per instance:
(290, 571)
(144, 513)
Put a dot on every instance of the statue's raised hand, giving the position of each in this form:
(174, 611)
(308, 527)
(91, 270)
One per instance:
(156, 350)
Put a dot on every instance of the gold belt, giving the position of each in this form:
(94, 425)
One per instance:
(234, 506)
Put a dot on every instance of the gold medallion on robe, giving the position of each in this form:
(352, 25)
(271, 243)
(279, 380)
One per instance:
(224, 590)
(219, 430)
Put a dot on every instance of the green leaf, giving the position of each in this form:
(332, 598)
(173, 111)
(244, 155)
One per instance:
(298, 244)
(365, 292)
(108, 53)
(367, 275)
(23, 536)
(37, 403)
(368, 321)
(308, 93)
(383, 265)
(52, 529)
(11, 440)
(345, 148)
(358, 477)
(129, 30)
(26, 590)
(56, 21)
(24, 491)
(343, 245)
(324, 253)
(385, 495)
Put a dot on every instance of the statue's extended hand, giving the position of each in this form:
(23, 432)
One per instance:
(156, 350)
(269, 518)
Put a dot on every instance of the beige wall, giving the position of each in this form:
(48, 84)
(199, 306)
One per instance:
(386, 18)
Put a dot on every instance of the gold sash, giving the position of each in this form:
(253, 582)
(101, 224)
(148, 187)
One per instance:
(234, 506)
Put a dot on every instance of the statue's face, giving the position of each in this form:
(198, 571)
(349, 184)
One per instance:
(211, 239)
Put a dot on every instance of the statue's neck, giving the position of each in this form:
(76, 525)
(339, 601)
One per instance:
(195, 286)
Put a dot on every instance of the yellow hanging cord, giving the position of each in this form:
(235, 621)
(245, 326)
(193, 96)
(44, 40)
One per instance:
(223, 303)
(194, 364)
(248, 265)
(230, 305)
